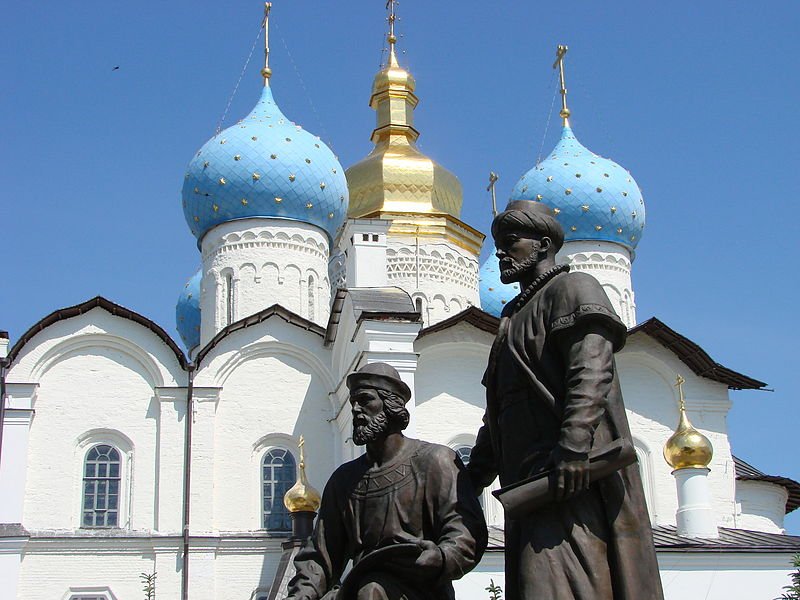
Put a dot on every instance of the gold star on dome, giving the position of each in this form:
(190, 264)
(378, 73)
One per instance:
(605, 174)
(599, 190)
(549, 178)
(598, 227)
(633, 215)
(222, 142)
(538, 196)
(292, 177)
(333, 171)
(585, 208)
(244, 201)
(322, 185)
(309, 205)
(196, 219)
(196, 190)
(619, 229)
(557, 211)
(205, 164)
(567, 191)
(625, 194)
(613, 209)
(222, 181)
(254, 138)
(288, 139)
(308, 161)
(573, 228)
(237, 157)
(278, 199)
(578, 175)
(330, 215)
(214, 207)
(273, 156)
(256, 176)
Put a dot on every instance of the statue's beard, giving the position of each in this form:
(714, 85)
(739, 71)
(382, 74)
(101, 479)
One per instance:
(515, 271)
(374, 429)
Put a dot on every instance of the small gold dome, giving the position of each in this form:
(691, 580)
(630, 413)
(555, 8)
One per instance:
(302, 497)
(687, 448)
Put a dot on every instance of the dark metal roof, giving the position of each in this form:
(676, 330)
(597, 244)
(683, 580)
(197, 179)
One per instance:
(107, 305)
(747, 472)
(667, 539)
(261, 316)
(730, 540)
(13, 530)
(694, 356)
(472, 315)
(378, 304)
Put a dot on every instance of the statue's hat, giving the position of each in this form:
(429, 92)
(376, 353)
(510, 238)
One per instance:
(379, 376)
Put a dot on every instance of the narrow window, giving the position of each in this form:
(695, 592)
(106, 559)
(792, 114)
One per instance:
(364, 237)
(311, 297)
(418, 305)
(278, 474)
(228, 298)
(101, 487)
(374, 237)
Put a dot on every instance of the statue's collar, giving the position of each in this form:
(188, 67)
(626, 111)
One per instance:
(536, 285)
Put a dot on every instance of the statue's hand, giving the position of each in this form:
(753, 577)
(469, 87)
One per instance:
(571, 473)
(431, 561)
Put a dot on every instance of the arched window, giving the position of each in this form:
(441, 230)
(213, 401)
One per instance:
(418, 305)
(463, 453)
(101, 487)
(311, 297)
(278, 474)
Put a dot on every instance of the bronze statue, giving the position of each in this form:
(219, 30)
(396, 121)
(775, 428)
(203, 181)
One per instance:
(553, 399)
(404, 512)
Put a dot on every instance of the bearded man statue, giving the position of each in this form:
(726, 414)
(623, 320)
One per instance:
(553, 400)
(404, 512)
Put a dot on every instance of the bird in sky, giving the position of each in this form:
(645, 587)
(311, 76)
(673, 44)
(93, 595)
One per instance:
(115, 68)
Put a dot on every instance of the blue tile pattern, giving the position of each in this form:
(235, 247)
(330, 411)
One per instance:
(264, 166)
(187, 311)
(595, 198)
(494, 293)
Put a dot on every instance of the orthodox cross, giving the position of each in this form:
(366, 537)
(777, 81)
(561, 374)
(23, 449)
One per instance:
(561, 50)
(266, 72)
(492, 180)
(391, 38)
(679, 381)
(300, 445)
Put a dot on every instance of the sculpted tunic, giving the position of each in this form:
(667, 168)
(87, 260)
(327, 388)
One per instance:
(424, 493)
(549, 385)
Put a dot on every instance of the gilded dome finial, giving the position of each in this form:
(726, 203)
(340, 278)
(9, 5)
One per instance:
(687, 448)
(302, 497)
(561, 50)
(266, 72)
(391, 37)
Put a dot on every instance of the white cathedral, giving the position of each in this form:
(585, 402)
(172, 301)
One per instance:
(123, 455)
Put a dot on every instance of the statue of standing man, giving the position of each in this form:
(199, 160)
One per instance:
(553, 397)
(404, 512)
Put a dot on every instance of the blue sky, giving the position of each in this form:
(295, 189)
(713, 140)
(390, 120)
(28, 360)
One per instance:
(697, 100)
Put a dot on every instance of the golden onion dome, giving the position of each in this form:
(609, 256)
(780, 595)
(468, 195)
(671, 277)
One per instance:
(396, 177)
(687, 448)
(302, 497)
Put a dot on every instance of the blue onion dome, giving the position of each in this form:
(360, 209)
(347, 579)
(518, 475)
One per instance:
(265, 166)
(494, 293)
(594, 198)
(187, 311)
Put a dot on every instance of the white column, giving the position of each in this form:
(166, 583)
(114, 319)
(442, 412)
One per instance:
(11, 549)
(695, 515)
(171, 445)
(364, 243)
(14, 460)
(202, 509)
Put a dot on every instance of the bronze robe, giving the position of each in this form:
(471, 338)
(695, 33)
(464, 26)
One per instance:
(548, 386)
(424, 493)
